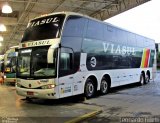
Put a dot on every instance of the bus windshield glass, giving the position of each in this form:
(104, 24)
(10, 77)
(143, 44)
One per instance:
(33, 63)
(11, 58)
(11, 62)
(48, 27)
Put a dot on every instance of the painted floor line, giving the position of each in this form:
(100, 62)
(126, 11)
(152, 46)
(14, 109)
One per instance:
(85, 116)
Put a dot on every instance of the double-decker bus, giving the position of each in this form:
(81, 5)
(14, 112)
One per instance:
(10, 58)
(64, 54)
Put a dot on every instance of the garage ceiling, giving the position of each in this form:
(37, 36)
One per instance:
(24, 10)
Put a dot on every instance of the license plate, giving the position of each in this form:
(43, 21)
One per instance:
(30, 93)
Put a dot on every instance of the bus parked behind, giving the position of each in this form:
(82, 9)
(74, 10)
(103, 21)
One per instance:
(10, 59)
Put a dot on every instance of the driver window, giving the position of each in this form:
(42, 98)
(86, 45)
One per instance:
(66, 61)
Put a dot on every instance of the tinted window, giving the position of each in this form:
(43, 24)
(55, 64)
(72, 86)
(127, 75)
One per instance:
(132, 39)
(152, 53)
(94, 30)
(121, 36)
(66, 62)
(110, 55)
(44, 28)
(140, 41)
(33, 63)
(148, 43)
(92, 46)
(109, 33)
(74, 26)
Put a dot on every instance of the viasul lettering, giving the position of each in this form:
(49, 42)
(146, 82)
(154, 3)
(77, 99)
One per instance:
(43, 21)
(118, 49)
(38, 43)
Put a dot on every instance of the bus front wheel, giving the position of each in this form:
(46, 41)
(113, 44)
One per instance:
(104, 88)
(90, 89)
(28, 99)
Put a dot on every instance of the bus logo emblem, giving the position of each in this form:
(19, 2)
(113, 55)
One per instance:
(93, 62)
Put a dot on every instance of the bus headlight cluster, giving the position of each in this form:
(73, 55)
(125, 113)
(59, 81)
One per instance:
(47, 86)
(18, 80)
(18, 85)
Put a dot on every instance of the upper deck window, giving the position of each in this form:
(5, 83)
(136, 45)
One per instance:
(74, 26)
(44, 28)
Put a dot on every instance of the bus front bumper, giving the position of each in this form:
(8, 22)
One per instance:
(11, 80)
(36, 93)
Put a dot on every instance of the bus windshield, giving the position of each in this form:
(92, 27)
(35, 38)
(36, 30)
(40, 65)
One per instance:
(11, 62)
(33, 63)
(44, 28)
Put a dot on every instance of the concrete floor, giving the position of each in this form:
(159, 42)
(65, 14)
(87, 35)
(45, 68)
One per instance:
(123, 104)
(129, 104)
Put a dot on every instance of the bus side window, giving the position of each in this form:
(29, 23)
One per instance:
(74, 26)
(66, 62)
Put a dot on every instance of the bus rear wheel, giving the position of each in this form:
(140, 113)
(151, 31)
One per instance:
(142, 79)
(104, 88)
(90, 88)
(147, 78)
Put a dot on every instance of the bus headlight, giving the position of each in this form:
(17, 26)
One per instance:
(47, 86)
(18, 80)
(18, 85)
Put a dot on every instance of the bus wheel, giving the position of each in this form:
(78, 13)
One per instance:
(142, 79)
(90, 89)
(104, 86)
(147, 78)
(28, 99)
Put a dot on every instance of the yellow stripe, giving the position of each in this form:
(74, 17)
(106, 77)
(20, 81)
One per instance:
(96, 111)
(85, 116)
(143, 58)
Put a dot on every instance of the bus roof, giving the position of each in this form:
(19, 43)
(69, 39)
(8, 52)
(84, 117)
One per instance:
(63, 12)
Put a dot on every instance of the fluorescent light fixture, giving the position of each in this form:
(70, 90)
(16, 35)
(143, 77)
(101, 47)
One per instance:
(6, 9)
(1, 38)
(2, 27)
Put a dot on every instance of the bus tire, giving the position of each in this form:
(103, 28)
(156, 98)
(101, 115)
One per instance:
(90, 88)
(142, 79)
(28, 99)
(147, 77)
(104, 87)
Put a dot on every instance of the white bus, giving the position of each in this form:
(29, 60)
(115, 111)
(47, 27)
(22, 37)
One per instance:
(64, 54)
